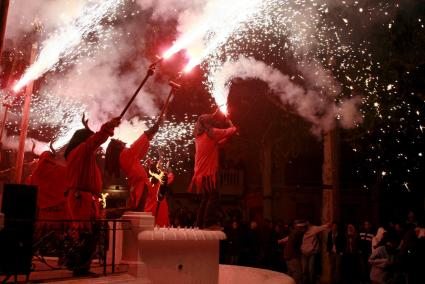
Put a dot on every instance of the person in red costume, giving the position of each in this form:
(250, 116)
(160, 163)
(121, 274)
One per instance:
(129, 161)
(156, 201)
(208, 138)
(48, 175)
(84, 185)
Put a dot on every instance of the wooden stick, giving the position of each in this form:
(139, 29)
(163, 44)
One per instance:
(150, 72)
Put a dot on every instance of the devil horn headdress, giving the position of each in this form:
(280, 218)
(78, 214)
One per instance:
(85, 122)
(33, 148)
(52, 149)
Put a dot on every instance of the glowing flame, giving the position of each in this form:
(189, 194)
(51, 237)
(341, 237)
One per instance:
(65, 41)
(221, 29)
(240, 12)
(222, 20)
(223, 109)
(102, 199)
(159, 176)
(186, 40)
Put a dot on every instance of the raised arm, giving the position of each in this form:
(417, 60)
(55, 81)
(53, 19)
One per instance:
(140, 147)
(220, 134)
(100, 137)
(314, 230)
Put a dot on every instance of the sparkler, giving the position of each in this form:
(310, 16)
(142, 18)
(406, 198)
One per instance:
(222, 25)
(240, 12)
(209, 21)
(64, 42)
(220, 22)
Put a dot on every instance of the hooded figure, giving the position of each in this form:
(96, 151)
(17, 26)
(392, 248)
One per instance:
(208, 138)
(128, 160)
(48, 175)
(84, 185)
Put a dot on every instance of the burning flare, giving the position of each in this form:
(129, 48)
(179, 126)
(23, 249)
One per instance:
(222, 24)
(65, 41)
(102, 199)
(159, 176)
(221, 20)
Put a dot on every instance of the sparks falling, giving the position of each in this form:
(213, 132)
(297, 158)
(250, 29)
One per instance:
(173, 140)
(63, 44)
(218, 23)
(322, 37)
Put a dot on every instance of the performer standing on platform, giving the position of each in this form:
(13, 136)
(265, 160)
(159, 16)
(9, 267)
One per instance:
(208, 138)
(84, 185)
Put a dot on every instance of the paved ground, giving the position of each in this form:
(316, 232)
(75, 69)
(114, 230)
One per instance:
(116, 279)
(44, 274)
(228, 275)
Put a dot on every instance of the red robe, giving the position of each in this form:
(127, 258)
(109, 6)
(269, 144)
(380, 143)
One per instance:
(130, 164)
(161, 219)
(152, 203)
(49, 176)
(84, 179)
(206, 157)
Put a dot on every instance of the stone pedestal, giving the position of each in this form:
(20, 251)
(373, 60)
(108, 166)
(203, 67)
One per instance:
(139, 222)
(181, 255)
(131, 253)
(169, 255)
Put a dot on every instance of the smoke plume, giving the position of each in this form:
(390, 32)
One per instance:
(95, 82)
(314, 106)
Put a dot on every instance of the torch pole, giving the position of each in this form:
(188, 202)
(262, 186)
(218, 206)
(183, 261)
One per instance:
(174, 87)
(24, 122)
(150, 72)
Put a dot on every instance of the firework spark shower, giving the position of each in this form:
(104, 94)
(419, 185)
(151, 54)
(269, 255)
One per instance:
(307, 103)
(64, 42)
(216, 34)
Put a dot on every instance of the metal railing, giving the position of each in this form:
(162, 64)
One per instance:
(56, 238)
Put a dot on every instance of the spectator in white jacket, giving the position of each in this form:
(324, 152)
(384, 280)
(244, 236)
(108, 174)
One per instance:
(382, 260)
(378, 238)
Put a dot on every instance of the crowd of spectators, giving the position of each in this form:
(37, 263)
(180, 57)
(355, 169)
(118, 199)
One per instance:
(355, 252)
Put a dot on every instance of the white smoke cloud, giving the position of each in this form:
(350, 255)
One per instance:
(12, 142)
(316, 107)
(314, 102)
(94, 82)
(130, 130)
(50, 13)
(173, 9)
